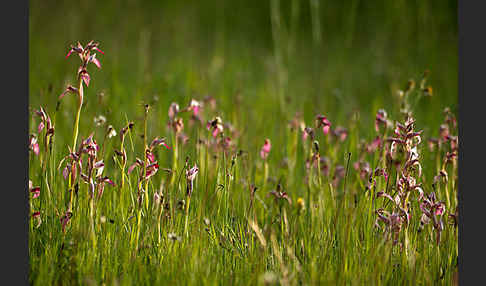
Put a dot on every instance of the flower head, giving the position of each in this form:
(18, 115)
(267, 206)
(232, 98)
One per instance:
(173, 110)
(99, 120)
(280, 195)
(381, 119)
(340, 133)
(265, 149)
(195, 107)
(84, 53)
(191, 176)
(215, 126)
(307, 132)
(300, 205)
(322, 121)
(33, 145)
(35, 191)
(111, 131)
(87, 55)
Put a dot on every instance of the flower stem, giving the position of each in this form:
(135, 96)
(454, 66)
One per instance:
(78, 114)
(187, 216)
(75, 137)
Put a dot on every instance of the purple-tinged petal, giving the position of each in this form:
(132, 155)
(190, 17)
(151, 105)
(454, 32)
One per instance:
(109, 181)
(439, 209)
(158, 141)
(130, 169)
(86, 78)
(173, 110)
(151, 170)
(63, 94)
(65, 172)
(40, 127)
(36, 149)
(69, 89)
(69, 53)
(215, 132)
(99, 164)
(382, 194)
(423, 207)
(94, 60)
(326, 129)
(151, 157)
(191, 173)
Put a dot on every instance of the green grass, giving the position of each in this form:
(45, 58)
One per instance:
(261, 71)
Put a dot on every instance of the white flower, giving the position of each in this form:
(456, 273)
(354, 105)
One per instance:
(100, 120)
(112, 132)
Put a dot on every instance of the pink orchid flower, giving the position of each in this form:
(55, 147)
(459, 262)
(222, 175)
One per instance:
(265, 149)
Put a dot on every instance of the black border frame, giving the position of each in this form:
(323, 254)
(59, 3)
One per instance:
(471, 21)
(15, 205)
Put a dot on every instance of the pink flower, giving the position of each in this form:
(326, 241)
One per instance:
(151, 170)
(36, 192)
(33, 145)
(381, 119)
(85, 76)
(150, 156)
(341, 133)
(215, 126)
(195, 106)
(307, 132)
(69, 89)
(439, 208)
(138, 162)
(375, 144)
(158, 141)
(84, 53)
(323, 122)
(190, 177)
(41, 126)
(280, 195)
(173, 110)
(93, 59)
(191, 173)
(86, 56)
(265, 149)
(381, 172)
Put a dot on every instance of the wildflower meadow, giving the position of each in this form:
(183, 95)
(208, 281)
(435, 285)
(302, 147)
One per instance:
(274, 143)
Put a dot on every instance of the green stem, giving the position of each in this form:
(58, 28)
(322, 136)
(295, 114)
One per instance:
(186, 230)
(92, 222)
(78, 114)
(122, 149)
(75, 138)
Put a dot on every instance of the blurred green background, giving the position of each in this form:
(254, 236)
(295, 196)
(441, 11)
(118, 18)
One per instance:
(259, 59)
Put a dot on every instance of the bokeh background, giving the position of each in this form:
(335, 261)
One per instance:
(258, 59)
